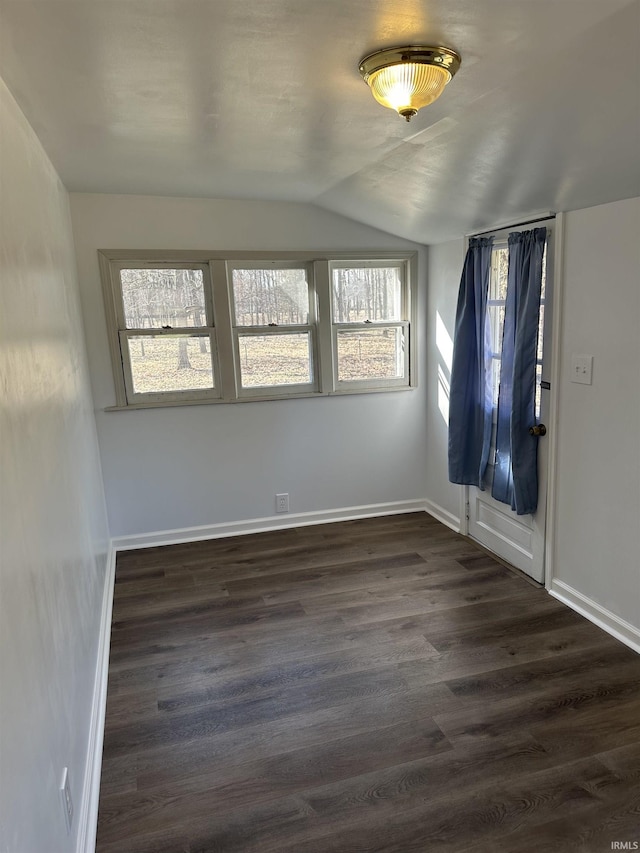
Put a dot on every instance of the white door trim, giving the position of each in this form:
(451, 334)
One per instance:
(554, 400)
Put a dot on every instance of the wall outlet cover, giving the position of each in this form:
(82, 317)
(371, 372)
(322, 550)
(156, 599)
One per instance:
(581, 369)
(282, 502)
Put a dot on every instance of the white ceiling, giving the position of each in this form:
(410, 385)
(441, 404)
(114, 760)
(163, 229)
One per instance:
(262, 99)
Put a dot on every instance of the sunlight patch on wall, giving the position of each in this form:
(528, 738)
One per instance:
(444, 342)
(443, 394)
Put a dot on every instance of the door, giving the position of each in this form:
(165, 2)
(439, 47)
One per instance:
(518, 539)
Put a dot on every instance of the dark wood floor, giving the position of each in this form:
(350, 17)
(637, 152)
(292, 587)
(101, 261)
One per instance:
(374, 686)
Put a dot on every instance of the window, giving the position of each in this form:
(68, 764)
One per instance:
(369, 324)
(165, 331)
(205, 327)
(274, 327)
(496, 307)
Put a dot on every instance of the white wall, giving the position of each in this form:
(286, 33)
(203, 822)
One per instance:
(597, 552)
(173, 468)
(598, 487)
(445, 267)
(53, 520)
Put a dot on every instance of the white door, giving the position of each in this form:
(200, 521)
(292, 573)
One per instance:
(518, 539)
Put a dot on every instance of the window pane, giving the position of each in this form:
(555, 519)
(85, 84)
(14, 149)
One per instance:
(540, 345)
(162, 363)
(496, 327)
(499, 273)
(370, 354)
(496, 364)
(271, 296)
(496, 310)
(267, 360)
(367, 293)
(162, 297)
(538, 402)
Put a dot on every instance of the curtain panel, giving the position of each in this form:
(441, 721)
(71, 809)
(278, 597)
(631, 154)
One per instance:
(470, 399)
(515, 479)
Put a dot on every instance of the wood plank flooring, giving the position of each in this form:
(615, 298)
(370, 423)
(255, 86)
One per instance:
(373, 686)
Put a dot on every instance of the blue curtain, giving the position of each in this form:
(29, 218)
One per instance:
(515, 479)
(470, 398)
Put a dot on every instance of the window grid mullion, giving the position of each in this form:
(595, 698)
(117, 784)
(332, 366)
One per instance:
(190, 331)
(326, 355)
(221, 299)
(378, 324)
(247, 331)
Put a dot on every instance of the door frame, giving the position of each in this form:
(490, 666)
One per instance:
(554, 400)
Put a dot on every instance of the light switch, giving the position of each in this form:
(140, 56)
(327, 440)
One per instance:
(581, 368)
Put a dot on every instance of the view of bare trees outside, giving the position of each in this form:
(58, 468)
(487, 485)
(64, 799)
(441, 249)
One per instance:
(154, 298)
(275, 360)
(274, 298)
(270, 297)
(370, 354)
(170, 363)
(366, 293)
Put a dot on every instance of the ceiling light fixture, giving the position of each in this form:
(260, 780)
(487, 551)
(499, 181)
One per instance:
(405, 79)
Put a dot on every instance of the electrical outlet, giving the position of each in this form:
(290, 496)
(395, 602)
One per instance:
(65, 795)
(282, 502)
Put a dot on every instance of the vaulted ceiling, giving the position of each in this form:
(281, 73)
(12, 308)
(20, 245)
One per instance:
(262, 99)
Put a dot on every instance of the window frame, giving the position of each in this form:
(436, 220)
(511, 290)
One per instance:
(219, 304)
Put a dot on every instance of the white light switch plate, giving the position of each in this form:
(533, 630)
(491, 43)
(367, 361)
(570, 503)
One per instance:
(581, 368)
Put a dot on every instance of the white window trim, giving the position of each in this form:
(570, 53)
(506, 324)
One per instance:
(220, 320)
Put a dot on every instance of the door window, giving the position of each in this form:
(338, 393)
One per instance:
(495, 310)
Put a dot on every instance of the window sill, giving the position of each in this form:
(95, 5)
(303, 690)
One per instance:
(170, 404)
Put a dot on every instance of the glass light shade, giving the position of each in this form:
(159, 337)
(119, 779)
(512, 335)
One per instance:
(408, 87)
(405, 79)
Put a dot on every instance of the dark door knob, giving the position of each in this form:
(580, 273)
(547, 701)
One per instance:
(538, 429)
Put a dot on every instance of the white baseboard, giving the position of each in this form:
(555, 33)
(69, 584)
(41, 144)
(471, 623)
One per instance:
(88, 814)
(600, 616)
(257, 525)
(443, 515)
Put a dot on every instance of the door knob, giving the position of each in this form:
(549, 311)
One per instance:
(538, 429)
